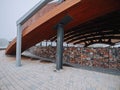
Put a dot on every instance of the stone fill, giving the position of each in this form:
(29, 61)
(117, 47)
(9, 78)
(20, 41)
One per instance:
(95, 57)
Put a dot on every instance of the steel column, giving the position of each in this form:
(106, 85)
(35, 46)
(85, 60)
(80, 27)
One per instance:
(60, 36)
(40, 44)
(21, 21)
(18, 47)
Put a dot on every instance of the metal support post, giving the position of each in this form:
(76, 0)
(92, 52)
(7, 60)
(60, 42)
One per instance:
(60, 36)
(51, 43)
(21, 21)
(67, 44)
(18, 47)
(40, 44)
(46, 43)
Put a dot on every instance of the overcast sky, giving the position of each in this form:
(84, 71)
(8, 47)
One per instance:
(10, 12)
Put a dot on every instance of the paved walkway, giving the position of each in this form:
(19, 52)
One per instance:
(36, 75)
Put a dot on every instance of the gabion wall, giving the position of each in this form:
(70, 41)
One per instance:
(95, 57)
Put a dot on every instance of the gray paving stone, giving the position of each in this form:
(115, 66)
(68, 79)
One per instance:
(111, 88)
(34, 75)
(91, 88)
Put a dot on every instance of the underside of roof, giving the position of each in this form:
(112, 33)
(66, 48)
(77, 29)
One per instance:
(104, 29)
(93, 21)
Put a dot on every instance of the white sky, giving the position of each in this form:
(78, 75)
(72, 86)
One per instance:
(10, 12)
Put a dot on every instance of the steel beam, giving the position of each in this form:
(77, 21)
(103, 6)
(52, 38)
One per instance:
(60, 36)
(60, 1)
(32, 11)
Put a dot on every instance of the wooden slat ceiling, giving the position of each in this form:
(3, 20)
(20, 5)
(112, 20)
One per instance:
(95, 31)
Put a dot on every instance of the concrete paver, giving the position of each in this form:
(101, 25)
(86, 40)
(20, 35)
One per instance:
(34, 75)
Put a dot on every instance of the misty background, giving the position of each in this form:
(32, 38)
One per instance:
(10, 12)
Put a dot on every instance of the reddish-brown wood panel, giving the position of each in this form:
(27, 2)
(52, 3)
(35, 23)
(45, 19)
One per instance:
(80, 11)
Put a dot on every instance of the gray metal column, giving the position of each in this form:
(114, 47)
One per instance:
(51, 43)
(60, 36)
(18, 46)
(46, 43)
(21, 21)
(40, 44)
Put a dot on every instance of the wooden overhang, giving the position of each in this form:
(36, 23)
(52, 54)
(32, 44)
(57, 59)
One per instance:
(81, 11)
